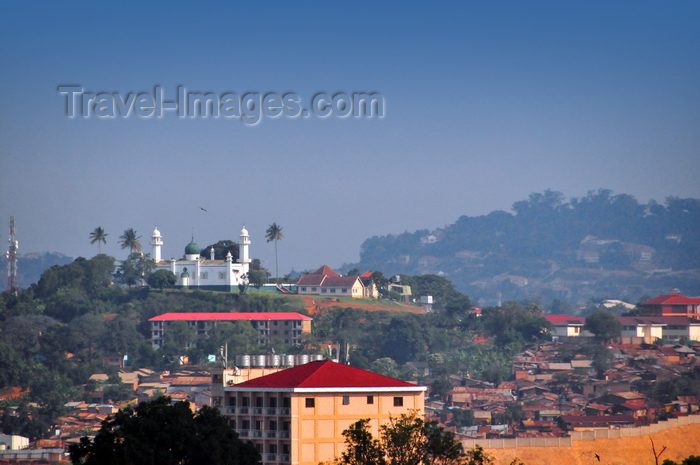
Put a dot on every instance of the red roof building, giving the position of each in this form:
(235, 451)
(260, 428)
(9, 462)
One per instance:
(328, 283)
(672, 304)
(271, 326)
(298, 415)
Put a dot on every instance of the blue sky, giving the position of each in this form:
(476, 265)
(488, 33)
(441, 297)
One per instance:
(485, 103)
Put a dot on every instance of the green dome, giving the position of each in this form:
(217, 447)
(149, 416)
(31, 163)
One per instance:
(192, 248)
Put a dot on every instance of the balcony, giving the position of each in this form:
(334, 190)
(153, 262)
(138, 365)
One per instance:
(272, 411)
(258, 433)
(244, 433)
(243, 410)
(258, 411)
(272, 434)
(270, 457)
(285, 458)
(230, 410)
(284, 411)
(284, 434)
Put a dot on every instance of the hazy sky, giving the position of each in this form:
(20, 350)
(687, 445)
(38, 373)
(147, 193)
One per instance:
(484, 103)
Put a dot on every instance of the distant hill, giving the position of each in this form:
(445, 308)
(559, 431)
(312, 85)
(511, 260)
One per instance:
(600, 245)
(30, 266)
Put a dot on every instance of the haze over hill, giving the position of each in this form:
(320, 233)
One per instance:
(603, 244)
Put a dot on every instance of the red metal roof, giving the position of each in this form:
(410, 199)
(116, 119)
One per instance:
(324, 374)
(672, 298)
(554, 319)
(326, 271)
(231, 316)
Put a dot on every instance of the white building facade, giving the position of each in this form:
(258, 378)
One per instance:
(194, 272)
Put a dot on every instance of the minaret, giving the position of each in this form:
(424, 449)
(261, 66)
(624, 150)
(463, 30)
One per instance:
(156, 244)
(243, 244)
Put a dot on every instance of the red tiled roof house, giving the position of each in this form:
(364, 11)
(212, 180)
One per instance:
(298, 415)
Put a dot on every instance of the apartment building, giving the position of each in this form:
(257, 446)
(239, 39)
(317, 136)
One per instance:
(297, 416)
(287, 326)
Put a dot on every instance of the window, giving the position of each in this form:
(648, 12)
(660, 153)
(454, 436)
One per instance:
(222, 275)
(273, 402)
(273, 448)
(310, 402)
(370, 399)
(273, 426)
(313, 289)
(204, 275)
(303, 289)
(232, 424)
(286, 402)
(258, 425)
(324, 291)
(258, 401)
(345, 291)
(398, 401)
(245, 401)
(245, 424)
(346, 400)
(333, 291)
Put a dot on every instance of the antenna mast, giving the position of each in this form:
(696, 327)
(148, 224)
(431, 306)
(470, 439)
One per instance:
(12, 282)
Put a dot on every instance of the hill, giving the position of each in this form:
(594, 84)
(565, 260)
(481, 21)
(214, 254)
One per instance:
(600, 245)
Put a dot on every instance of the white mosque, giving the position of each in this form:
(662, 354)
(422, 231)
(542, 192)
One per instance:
(195, 272)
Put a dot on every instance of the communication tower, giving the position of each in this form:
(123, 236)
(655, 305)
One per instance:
(12, 282)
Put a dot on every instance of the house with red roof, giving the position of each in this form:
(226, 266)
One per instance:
(672, 304)
(668, 328)
(271, 326)
(327, 283)
(566, 326)
(297, 416)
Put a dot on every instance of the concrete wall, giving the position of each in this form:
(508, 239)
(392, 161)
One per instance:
(591, 435)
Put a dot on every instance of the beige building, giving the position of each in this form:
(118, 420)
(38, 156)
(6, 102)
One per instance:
(271, 326)
(327, 283)
(298, 415)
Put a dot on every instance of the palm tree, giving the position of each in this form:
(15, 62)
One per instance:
(130, 240)
(274, 233)
(100, 236)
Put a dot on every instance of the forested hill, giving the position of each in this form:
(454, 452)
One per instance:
(556, 248)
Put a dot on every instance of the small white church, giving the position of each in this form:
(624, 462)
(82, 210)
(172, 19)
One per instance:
(194, 272)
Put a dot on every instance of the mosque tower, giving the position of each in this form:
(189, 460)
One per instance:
(243, 249)
(156, 244)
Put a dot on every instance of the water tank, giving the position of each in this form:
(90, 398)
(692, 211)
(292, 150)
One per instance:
(259, 361)
(317, 357)
(243, 361)
(275, 361)
(289, 360)
(302, 359)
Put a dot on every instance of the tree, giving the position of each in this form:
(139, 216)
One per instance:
(166, 434)
(221, 249)
(407, 440)
(129, 240)
(135, 269)
(161, 279)
(604, 325)
(274, 233)
(100, 236)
